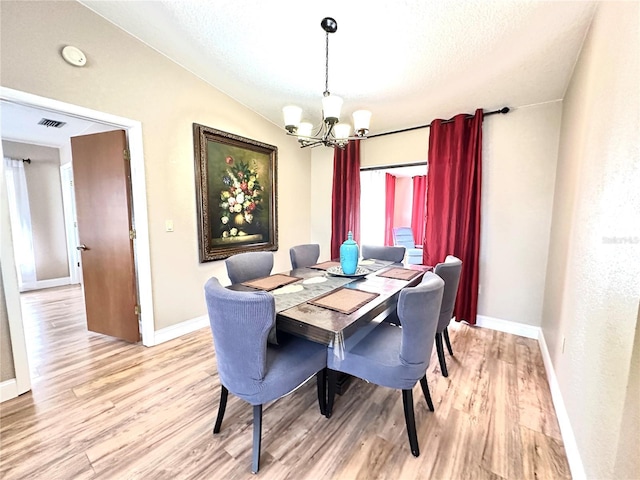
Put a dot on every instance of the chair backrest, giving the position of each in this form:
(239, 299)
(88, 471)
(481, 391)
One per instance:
(304, 255)
(249, 265)
(418, 310)
(449, 271)
(393, 254)
(404, 236)
(240, 323)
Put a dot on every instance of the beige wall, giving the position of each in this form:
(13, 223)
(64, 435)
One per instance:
(518, 173)
(126, 78)
(626, 462)
(7, 370)
(45, 203)
(405, 148)
(322, 174)
(519, 161)
(593, 282)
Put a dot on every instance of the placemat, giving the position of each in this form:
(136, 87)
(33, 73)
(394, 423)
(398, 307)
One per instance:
(271, 282)
(400, 273)
(325, 265)
(344, 300)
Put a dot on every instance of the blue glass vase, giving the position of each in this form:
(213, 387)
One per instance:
(349, 255)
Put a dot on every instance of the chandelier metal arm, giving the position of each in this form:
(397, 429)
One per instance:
(327, 142)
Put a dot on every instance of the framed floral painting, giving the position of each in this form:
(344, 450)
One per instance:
(236, 193)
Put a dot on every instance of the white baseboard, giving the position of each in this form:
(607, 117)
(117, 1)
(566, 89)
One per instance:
(40, 284)
(515, 328)
(182, 328)
(568, 437)
(530, 331)
(8, 390)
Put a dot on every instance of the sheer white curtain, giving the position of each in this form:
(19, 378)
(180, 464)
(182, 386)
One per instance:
(20, 215)
(372, 206)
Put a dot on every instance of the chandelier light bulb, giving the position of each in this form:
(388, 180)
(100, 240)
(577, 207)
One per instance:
(331, 106)
(342, 131)
(305, 130)
(292, 116)
(361, 120)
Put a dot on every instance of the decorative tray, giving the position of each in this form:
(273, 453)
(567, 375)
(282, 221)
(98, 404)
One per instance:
(337, 271)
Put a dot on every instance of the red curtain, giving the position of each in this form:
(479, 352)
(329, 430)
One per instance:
(345, 199)
(453, 203)
(390, 200)
(419, 207)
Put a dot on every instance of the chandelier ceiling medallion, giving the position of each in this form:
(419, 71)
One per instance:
(332, 133)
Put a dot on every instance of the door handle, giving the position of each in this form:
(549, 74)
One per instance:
(82, 247)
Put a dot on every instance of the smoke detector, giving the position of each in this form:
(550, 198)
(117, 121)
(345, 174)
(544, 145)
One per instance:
(74, 56)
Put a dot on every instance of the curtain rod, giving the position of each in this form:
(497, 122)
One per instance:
(391, 167)
(502, 110)
(26, 160)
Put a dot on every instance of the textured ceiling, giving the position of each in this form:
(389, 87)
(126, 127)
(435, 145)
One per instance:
(406, 61)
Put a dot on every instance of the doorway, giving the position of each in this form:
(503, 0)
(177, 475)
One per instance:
(373, 204)
(143, 269)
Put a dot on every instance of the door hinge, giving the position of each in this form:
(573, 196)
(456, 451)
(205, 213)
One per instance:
(127, 155)
(137, 309)
(132, 234)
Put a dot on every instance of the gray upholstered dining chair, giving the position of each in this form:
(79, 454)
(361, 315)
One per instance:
(393, 356)
(249, 368)
(393, 254)
(449, 271)
(304, 255)
(249, 265)
(404, 236)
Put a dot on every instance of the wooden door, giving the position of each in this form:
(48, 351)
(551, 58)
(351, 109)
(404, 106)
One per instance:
(103, 203)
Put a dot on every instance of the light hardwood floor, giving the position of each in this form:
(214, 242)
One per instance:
(104, 409)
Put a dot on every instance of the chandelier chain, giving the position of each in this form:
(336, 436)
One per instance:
(326, 66)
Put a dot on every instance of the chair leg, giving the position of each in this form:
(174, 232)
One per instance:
(447, 341)
(321, 383)
(257, 436)
(407, 403)
(425, 391)
(332, 378)
(224, 393)
(440, 350)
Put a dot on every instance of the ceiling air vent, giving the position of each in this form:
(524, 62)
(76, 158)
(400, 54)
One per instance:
(51, 123)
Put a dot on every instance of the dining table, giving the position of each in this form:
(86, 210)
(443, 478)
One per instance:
(322, 304)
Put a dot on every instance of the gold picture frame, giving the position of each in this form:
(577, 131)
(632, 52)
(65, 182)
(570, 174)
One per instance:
(235, 193)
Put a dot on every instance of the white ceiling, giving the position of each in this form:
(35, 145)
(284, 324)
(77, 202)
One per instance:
(407, 61)
(20, 123)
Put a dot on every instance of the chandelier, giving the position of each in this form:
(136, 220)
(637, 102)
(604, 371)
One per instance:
(332, 133)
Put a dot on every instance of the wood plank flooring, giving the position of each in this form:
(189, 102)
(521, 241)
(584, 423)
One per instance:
(104, 409)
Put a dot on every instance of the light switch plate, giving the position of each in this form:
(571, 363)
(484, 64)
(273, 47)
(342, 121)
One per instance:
(168, 225)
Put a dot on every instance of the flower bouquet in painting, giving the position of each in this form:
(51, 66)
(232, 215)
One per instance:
(240, 199)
